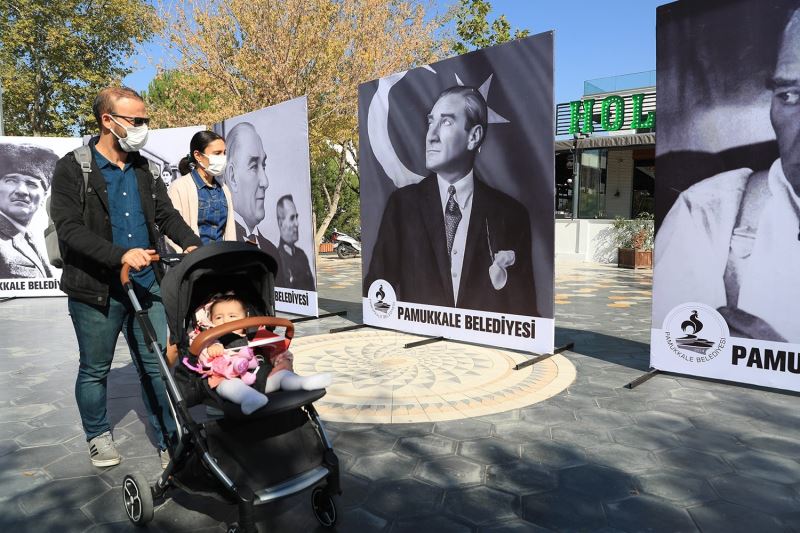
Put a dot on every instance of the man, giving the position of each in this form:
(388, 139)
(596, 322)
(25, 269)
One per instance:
(115, 222)
(451, 240)
(25, 172)
(294, 270)
(732, 241)
(246, 177)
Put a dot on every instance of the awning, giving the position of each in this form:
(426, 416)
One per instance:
(607, 141)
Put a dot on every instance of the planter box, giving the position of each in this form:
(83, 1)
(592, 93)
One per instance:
(326, 247)
(630, 258)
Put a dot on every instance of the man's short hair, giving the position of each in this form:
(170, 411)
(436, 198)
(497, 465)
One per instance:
(29, 160)
(104, 101)
(279, 205)
(474, 105)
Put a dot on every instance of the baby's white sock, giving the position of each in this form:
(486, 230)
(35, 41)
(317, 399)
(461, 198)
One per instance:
(288, 380)
(237, 391)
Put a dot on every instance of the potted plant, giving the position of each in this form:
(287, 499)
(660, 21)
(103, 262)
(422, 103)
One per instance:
(634, 240)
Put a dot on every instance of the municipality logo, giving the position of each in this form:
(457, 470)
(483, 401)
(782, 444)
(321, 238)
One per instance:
(382, 298)
(695, 332)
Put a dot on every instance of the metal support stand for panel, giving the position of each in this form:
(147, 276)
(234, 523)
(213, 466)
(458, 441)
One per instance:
(349, 328)
(641, 379)
(423, 342)
(540, 358)
(324, 315)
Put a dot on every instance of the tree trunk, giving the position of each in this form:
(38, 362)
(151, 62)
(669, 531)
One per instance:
(333, 205)
(332, 200)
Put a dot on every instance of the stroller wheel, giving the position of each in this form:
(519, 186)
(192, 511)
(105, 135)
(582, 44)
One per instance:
(323, 506)
(137, 498)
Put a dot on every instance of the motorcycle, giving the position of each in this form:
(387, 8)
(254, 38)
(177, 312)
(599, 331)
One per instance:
(345, 245)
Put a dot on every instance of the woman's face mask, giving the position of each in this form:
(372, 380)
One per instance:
(216, 164)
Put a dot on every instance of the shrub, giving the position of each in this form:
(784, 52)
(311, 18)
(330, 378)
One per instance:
(637, 233)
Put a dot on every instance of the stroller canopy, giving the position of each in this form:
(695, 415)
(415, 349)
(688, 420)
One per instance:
(216, 268)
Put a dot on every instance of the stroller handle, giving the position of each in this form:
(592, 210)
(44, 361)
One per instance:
(167, 259)
(210, 335)
(125, 273)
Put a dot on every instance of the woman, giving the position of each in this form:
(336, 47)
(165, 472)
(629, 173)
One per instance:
(204, 202)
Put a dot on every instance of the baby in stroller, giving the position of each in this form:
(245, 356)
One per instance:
(231, 363)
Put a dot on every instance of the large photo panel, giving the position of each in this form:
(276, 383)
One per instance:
(269, 175)
(727, 248)
(26, 171)
(457, 195)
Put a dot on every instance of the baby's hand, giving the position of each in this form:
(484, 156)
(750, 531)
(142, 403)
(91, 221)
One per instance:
(216, 349)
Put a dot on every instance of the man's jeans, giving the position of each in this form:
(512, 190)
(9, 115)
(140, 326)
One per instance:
(97, 329)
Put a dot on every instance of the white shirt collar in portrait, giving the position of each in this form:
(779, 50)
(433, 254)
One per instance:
(463, 196)
(249, 231)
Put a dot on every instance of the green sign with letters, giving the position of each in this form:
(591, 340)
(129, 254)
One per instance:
(612, 114)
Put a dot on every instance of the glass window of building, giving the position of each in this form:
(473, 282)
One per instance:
(592, 184)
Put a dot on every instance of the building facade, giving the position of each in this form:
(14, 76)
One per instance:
(604, 162)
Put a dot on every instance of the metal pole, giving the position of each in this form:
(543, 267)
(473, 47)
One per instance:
(576, 174)
(2, 130)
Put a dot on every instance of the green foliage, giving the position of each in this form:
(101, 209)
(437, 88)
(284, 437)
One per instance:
(637, 233)
(176, 94)
(474, 31)
(56, 56)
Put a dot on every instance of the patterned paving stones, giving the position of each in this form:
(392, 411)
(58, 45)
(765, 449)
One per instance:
(675, 454)
(377, 380)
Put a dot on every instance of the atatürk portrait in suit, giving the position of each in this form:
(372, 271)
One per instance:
(25, 174)
(246, 177)
(451, 240)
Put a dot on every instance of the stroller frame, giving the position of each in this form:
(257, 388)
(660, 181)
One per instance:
(138, 493)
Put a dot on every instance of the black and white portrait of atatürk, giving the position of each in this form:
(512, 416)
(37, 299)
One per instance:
(25, 174)
(268, 174)
(728, 164)
(456, 162)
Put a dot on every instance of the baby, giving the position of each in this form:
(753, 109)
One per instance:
(231, 364)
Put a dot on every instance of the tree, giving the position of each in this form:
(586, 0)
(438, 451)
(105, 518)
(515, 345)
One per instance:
(243, 55)
(175, 95)
(56, 56)
(474, 31)
(325, 173)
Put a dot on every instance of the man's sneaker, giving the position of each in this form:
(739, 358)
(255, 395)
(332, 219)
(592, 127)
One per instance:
(103, 452)
(164, 456)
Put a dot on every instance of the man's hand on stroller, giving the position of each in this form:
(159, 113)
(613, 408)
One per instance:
(137, 258)
(190, 249)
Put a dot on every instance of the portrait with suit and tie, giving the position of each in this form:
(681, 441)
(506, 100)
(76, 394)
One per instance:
(246, 177)
(457, 192)
(268, 172)
(25, 174)
(452, 240)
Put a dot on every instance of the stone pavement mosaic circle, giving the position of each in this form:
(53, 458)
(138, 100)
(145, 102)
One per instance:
(377, 380)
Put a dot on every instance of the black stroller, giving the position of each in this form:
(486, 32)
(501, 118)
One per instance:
(247, 460)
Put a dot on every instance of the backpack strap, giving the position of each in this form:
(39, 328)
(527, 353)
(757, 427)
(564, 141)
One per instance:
(754, 198)
(83, 155)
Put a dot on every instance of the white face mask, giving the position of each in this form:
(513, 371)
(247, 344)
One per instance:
(216, 164)
(135, 139)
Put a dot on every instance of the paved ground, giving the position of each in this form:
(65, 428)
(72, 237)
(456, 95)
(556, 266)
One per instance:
(675, 454)
(377, 380)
